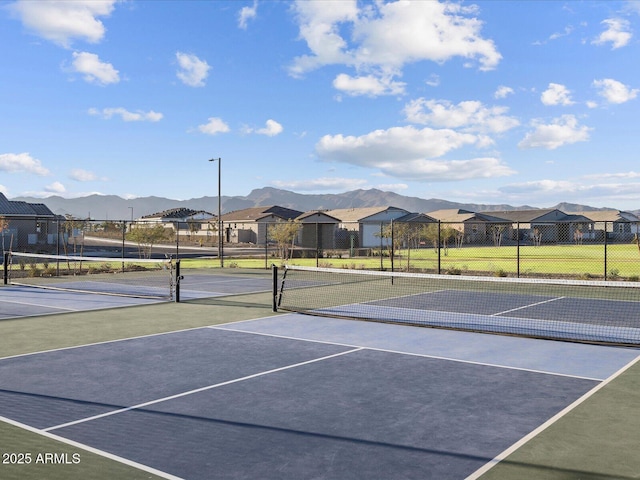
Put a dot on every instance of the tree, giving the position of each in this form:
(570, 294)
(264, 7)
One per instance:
(70, 227)
(496, 234)
(440, 236)
(147, 237)
(284, 234)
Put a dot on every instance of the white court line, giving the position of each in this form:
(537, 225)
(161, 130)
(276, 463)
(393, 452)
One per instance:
(197, 390)
(89, 449)
(31, 304)
(116, 340)
(527, 306)
(423, 355)
(488, 466)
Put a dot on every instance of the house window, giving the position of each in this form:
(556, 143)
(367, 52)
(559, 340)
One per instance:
(474, 228)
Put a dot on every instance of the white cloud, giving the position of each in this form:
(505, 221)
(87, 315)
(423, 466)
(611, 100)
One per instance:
(556, 94)
(319, 28)
(246, 14)
(271, 129)
(553, 191)
(193, 71)
(617, 33)
(541, 186)
(369, 85)
(55, 187)
(630, 174)
(21, 163)
(325, 183)
(567, 31)
(386, 36)
(62, 21)
(470, 116)
(408, 153)
(433, 80)
(214, 126)
(562, 131)
(94, 70)
(392, 187)
(614, 91)
(503, 92)
(80, 175)
(127, 116)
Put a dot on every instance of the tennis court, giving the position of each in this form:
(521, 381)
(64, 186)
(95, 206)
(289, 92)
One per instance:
(219, 386)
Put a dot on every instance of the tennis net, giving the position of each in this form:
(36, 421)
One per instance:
(142, 278)
(573, 310)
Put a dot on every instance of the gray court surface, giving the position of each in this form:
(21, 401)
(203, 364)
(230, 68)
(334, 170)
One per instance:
(300, 397)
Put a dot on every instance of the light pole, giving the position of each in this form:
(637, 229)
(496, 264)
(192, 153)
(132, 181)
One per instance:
(220, 248)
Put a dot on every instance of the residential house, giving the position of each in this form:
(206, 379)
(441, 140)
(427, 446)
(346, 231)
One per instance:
(365, 226)
(546, 225)
(474, 227)
(618, 225)
(185, 221)
(28, 225)
(250, 225)
(318, 230)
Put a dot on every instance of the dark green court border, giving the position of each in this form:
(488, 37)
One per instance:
(597, 440)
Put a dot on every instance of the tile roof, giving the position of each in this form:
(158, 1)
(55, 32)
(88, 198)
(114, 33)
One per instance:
(256, 213)
(179, 213)
(357, 214)
(16, 208)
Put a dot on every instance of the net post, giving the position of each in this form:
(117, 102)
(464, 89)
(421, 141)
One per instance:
(274, 280)
(177, 281)
(5, 274)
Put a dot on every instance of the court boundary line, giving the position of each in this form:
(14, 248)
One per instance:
(199, 390)
(116, 339)
(90, 449)
(423, 355)
(37, 305)
(561, 414)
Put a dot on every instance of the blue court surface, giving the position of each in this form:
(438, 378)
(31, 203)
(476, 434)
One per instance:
(300, 397)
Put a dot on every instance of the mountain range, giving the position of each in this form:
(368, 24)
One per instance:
(112, 207)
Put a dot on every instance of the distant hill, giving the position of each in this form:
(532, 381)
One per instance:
(112, 207)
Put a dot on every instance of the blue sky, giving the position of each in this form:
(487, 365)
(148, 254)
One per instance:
(519, 102)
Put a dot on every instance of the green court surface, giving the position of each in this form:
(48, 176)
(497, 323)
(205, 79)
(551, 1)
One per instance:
(597, 437)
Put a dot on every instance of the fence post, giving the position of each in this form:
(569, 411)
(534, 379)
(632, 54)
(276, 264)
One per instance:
(266, 245)
(392, 246)
(381, 238)
(518, 249)
(5, 275)
(124, 227)
(605, 250)
(439, 249)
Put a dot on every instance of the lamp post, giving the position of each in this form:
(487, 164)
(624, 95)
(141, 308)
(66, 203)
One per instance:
(220, 247)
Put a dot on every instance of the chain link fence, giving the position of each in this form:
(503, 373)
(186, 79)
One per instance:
(587, 250)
